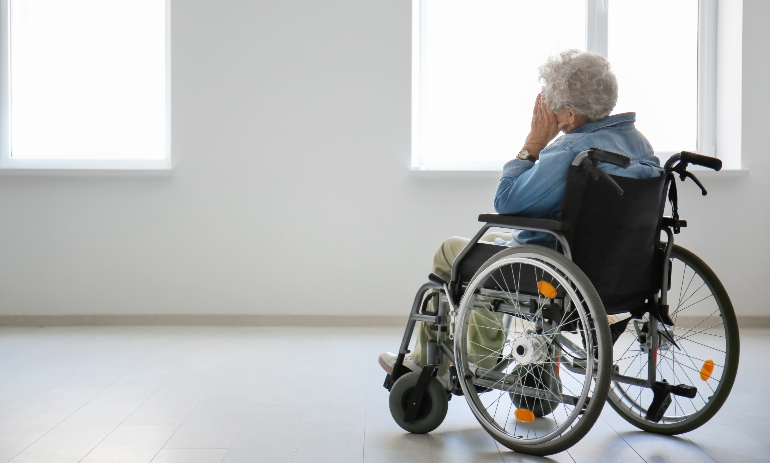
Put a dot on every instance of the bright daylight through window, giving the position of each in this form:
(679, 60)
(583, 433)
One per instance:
(475, 72)
(85, 83)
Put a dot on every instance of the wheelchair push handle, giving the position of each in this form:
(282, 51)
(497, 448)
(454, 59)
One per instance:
(609, 157)
(679, 161)
(594, 155)
(678, 164)
(588, 159)
(701, 160)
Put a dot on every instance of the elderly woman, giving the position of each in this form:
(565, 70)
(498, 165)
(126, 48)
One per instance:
(578, 95)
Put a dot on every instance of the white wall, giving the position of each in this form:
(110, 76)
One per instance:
(291, 132)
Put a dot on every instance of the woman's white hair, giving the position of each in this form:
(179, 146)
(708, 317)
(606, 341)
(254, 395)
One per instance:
(582, 81)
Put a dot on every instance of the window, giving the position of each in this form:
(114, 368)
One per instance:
(84, 84)
(475, 72)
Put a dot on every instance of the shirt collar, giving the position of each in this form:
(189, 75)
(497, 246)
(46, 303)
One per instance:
(606, 122)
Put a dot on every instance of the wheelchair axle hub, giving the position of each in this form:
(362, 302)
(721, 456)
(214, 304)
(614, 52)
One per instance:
(532, 348)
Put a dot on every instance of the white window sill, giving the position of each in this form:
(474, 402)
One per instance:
(88, 167)
(417, 172)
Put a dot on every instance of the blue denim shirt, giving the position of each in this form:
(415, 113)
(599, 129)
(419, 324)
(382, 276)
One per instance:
(537, 189)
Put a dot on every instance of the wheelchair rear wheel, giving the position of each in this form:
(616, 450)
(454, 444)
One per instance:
(533, 350)
(701, 350)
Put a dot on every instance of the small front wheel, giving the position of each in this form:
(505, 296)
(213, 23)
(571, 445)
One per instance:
(432, 411)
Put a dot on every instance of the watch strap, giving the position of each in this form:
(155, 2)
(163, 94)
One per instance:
(529, 157)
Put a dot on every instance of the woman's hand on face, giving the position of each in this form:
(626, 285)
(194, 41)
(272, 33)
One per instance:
(544, 127)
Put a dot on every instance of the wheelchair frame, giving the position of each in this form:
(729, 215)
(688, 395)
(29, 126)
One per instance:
(449, 294)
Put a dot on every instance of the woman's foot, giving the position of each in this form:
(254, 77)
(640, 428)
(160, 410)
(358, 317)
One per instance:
(387, 360)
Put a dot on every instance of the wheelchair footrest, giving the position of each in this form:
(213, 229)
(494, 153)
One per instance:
(662, 398)
(660, 403)
(685, 391)
(399, 370)
(681, 390)
(456, 388)
(388, 384)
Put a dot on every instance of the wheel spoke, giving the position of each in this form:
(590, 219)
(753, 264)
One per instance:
(690, 296)
(701, 300)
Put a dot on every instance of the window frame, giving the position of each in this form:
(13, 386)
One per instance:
(9, 164)
(597, 32)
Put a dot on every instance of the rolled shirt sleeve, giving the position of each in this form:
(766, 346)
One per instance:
(516, 167)
(535, 189)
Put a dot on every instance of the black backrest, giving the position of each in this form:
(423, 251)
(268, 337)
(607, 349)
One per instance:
(615, 238)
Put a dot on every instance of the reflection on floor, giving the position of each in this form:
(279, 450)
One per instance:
(199, 395)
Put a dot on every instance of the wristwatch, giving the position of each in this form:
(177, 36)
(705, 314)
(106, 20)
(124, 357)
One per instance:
(525, 156)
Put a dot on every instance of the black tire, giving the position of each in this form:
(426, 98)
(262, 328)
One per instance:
(538, 375)
(714, 390)
(432, 411)
(592, 319)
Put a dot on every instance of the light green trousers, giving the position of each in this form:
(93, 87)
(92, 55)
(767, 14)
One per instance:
(485, 339)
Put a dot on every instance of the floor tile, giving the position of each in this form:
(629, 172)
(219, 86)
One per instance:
(392, 455)
(64, 443)
(269, 433)
(171, 404)
(515, 457)
(727, 444)
(336, 414)
(130, 444)
(34, 421)
(588, 454)
(390, 436)
(653, 447)
(603, 435)
(463, 442)
(190, 456)
(321, 442)
(204, 435)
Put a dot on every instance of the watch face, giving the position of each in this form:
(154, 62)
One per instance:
(523, 154)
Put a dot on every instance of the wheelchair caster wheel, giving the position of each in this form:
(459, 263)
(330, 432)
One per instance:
(432, 410)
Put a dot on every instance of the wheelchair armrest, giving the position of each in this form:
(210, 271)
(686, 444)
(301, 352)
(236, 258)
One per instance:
(512, 221)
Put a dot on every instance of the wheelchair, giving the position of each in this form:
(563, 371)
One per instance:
(612, 314)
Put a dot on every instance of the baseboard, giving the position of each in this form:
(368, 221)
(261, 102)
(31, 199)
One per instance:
(202, 320)
(745, 321)
(754, 321)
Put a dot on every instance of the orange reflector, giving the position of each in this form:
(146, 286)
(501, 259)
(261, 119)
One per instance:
(546, 289)
(522, 414)
(708, 368)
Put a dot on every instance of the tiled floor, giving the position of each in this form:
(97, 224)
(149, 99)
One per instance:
(200, 395)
